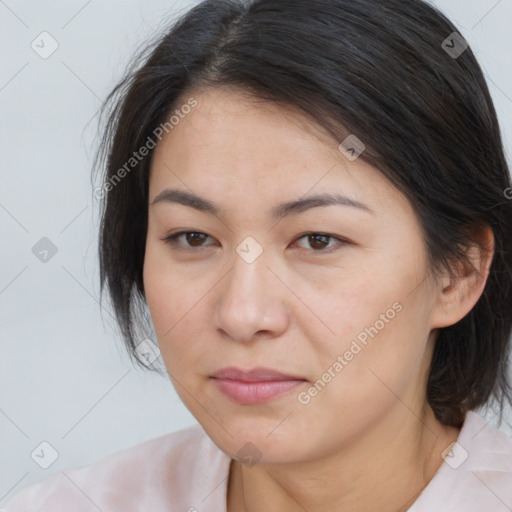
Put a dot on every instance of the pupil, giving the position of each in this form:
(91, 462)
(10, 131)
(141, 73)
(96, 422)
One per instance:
(321, 239)
(195, 237)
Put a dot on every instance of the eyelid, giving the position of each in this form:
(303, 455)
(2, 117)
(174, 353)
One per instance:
(171, 240)
(341, 242)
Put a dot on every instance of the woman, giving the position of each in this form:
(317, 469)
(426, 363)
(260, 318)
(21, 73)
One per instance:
(310, 197)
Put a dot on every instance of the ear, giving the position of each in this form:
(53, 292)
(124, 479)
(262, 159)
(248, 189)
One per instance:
(458, 294)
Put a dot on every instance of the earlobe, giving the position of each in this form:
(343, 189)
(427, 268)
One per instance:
(458, 293)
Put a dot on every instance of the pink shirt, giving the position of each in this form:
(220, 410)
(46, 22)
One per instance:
(185, 472)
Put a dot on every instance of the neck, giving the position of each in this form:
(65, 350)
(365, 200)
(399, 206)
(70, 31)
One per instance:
(384, 470)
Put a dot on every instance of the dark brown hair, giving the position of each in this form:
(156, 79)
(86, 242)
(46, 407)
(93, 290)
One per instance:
(392, 73)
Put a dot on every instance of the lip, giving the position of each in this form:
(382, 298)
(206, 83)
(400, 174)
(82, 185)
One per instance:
(247, 387)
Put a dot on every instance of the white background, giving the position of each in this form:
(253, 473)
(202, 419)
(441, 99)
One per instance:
(65, 377)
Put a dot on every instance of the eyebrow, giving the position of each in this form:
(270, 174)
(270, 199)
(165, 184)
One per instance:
(294, 207)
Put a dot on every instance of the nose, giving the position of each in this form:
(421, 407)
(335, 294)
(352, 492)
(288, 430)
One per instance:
(251, 301)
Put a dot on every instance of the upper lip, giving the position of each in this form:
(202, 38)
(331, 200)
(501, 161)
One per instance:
(255, 375)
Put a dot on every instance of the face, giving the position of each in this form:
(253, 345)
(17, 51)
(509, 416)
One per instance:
(335, 297)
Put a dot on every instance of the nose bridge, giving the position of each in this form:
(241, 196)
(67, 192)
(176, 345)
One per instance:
(247, 281)
(250, 300)
(250, 269)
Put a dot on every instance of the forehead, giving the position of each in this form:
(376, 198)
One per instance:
(232, 125)
(236, 148)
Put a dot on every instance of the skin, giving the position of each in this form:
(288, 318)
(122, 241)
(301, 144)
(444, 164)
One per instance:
(368, 441)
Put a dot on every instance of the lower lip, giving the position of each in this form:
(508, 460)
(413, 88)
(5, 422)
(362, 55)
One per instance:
(248, 393)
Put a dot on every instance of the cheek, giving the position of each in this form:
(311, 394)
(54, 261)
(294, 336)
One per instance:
(381, 363)
(349, 307)
(360, 382)
(378, 321)
(171, 300)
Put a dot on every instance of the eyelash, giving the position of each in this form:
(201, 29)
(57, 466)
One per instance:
(172, 240)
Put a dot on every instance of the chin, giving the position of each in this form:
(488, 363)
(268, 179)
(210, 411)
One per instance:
(258, 439)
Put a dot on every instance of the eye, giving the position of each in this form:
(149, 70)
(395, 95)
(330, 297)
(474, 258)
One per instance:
(320, 241)
(193, 238)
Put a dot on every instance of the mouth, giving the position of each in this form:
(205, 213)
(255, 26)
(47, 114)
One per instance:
(259, 385)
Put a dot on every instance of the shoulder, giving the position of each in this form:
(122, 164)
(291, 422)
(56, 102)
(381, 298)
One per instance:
(476, 475)
(172, 469)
